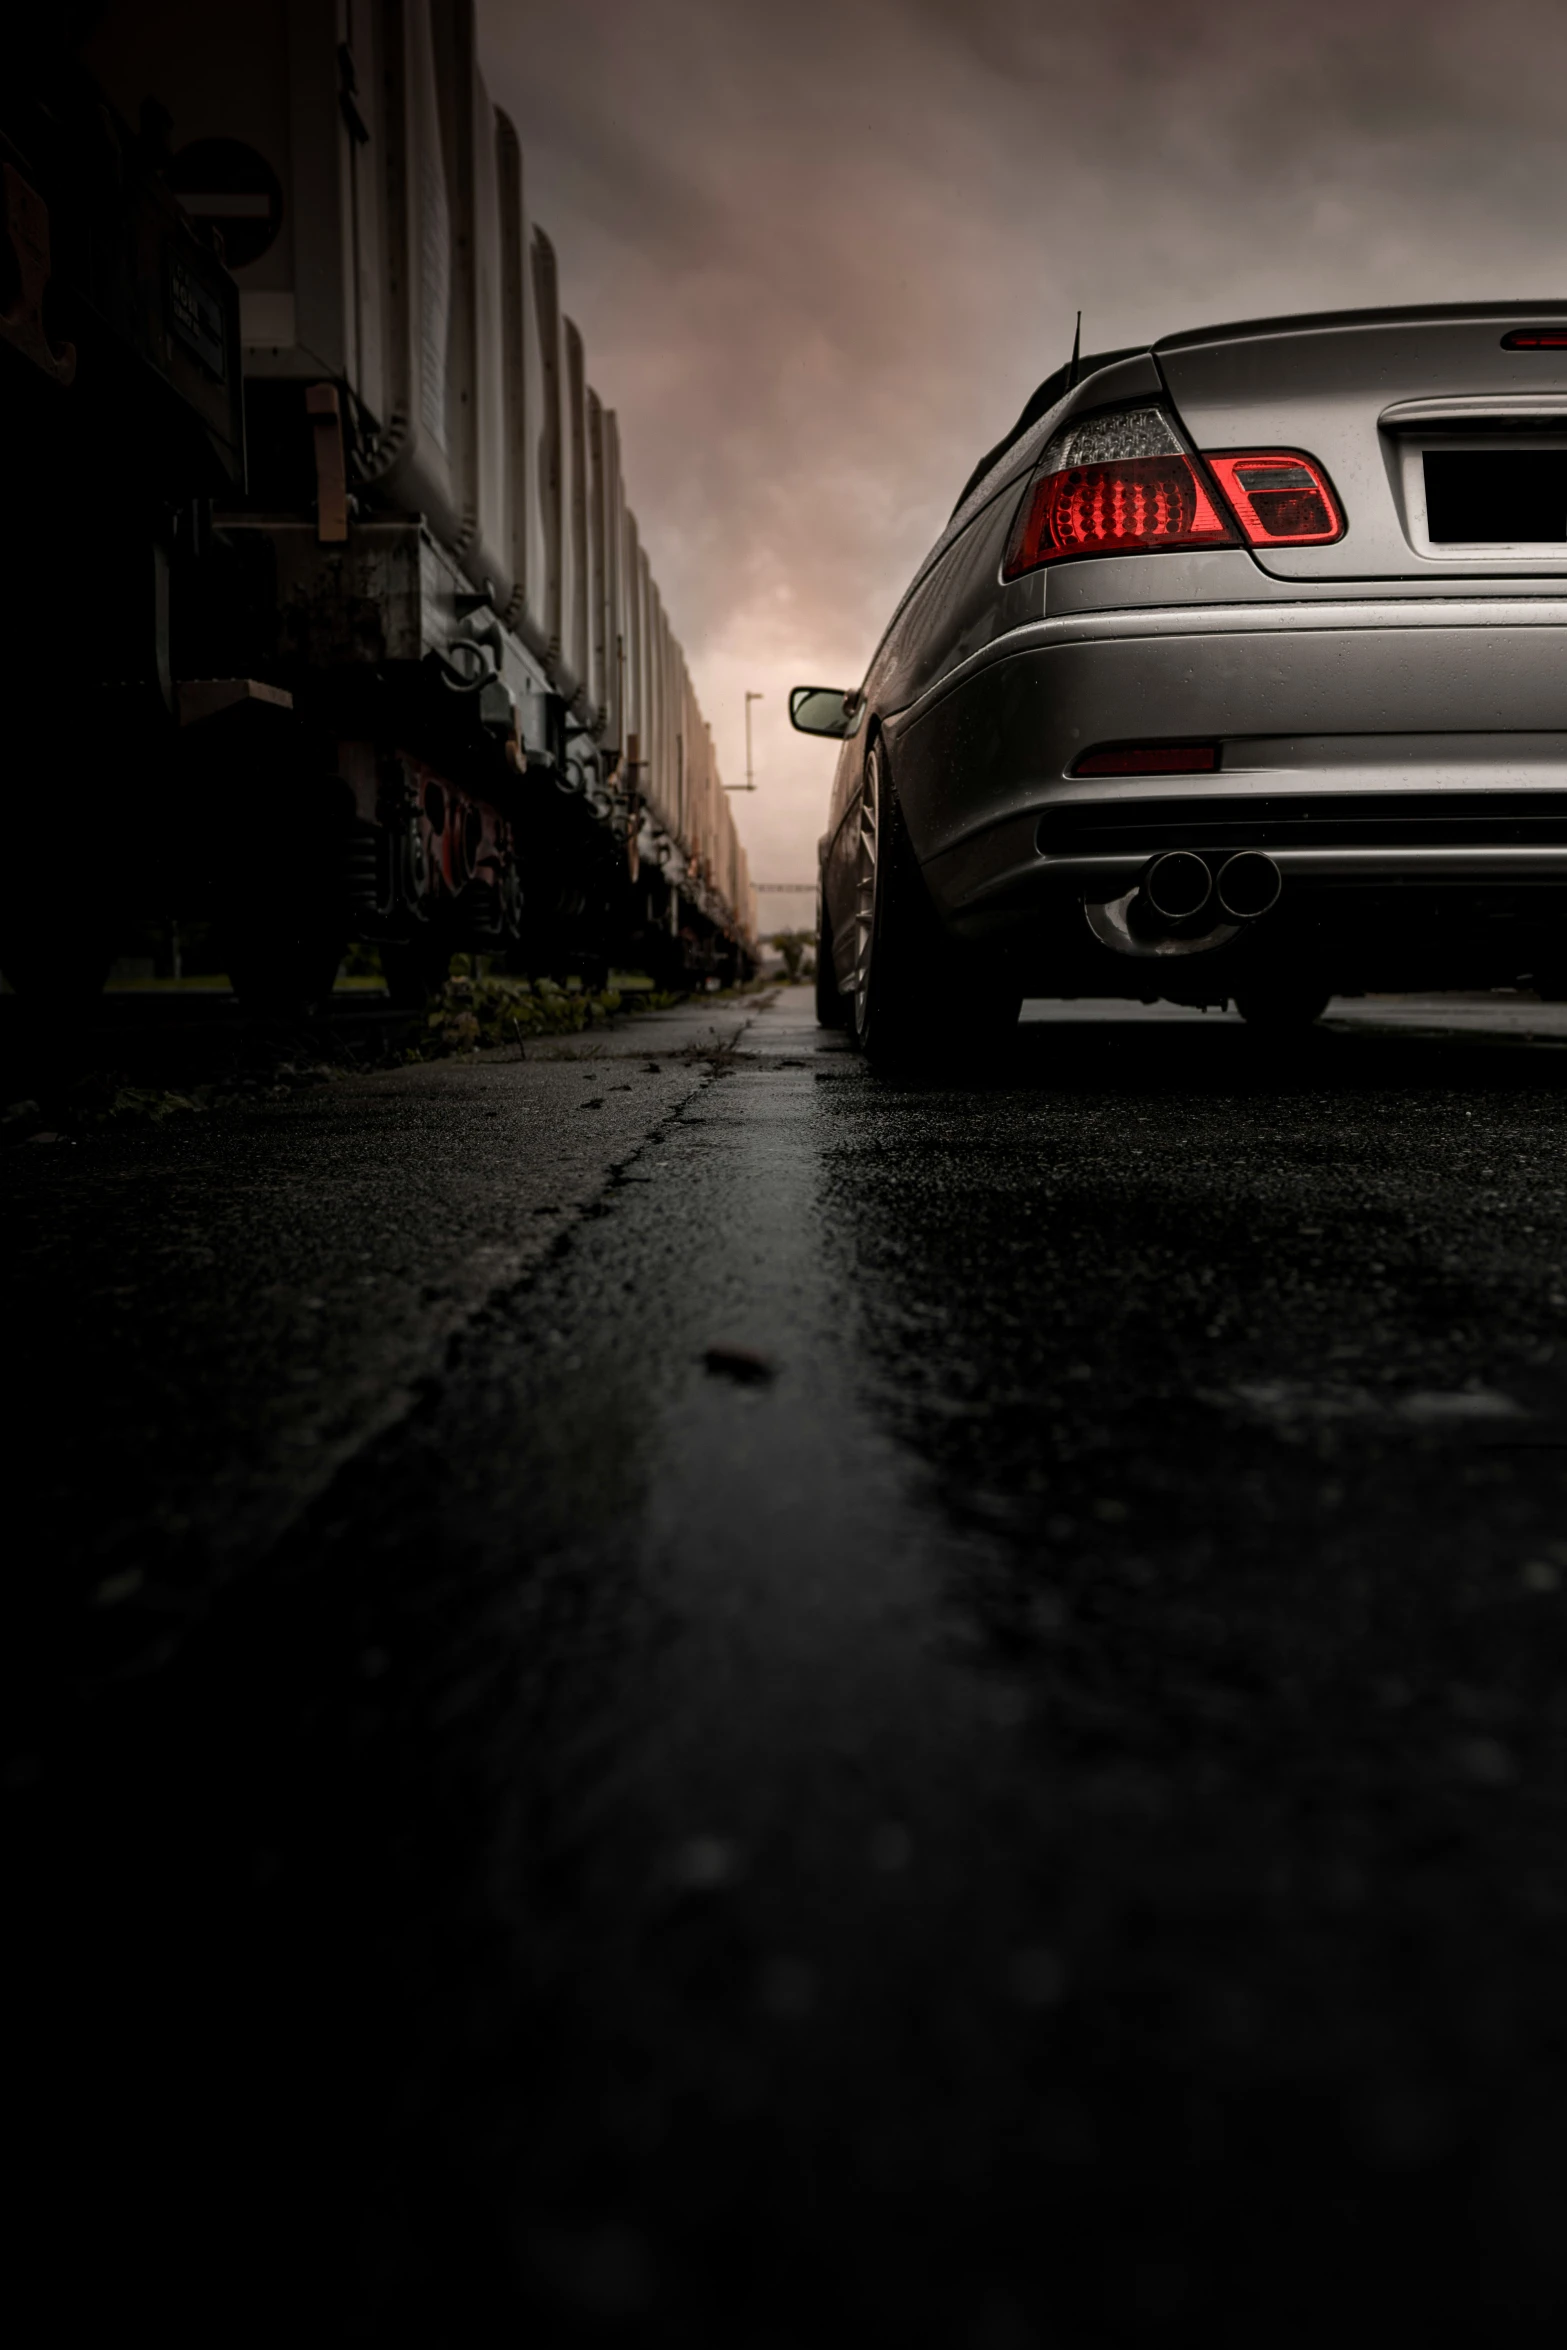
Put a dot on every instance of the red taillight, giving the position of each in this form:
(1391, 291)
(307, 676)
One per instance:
(1132, 507)
(1113, 485)
(1151, 759)
(1536, 338)
(1281, 499)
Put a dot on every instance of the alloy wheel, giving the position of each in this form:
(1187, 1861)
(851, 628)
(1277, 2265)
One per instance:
(866, 866)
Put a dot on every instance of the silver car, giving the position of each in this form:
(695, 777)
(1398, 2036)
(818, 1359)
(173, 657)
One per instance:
(1238, 674)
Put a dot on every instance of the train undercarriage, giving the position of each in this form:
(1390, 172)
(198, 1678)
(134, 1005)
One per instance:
(438, 800)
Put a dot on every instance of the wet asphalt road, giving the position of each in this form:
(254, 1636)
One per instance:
(921, 1712)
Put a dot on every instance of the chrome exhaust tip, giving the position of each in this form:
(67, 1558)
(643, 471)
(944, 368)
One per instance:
(1175, 887)
(1247, 886)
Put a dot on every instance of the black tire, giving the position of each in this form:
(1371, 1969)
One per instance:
(917, 998)
(831, 1009)
(896, 938)
(984, 1009)
(1282, 1007)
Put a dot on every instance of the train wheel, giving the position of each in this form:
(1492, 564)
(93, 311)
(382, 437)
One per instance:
(53, 968)
(415, 971)
(284, 972)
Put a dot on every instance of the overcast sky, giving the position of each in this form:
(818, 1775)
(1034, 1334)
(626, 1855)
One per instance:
(821, 252)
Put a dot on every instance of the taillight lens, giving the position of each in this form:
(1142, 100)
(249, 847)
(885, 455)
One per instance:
(1113, 485)
(1281, 499)
(1536, 338)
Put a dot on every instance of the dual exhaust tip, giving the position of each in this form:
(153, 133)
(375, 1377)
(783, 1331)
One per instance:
(1178, 888)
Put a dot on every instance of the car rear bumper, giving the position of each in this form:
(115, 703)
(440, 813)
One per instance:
(1411, 819)
(1383, 742)
(1425, 868)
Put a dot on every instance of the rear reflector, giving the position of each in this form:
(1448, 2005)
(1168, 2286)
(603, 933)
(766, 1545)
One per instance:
(1281, 499)
(1151, 759)
(1536, 338)
(1113, 485)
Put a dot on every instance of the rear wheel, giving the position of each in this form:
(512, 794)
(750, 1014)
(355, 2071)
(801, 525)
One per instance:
(1282, 1007)
(831, 1010)
(914, 994)
(887, 997)
(985, 1008)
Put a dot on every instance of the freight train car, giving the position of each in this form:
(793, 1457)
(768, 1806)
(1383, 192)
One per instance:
(121, 427)
(400, 671)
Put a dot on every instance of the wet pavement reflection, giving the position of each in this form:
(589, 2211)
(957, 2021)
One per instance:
(945, 1727)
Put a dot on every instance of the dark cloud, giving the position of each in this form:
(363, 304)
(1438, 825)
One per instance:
(821, 253)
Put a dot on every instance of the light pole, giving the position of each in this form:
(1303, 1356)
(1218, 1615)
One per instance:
(749, 783)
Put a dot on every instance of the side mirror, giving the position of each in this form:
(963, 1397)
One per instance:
(826, 709)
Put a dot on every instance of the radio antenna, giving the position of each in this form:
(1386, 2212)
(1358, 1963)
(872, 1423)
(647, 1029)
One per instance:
(1077, 353)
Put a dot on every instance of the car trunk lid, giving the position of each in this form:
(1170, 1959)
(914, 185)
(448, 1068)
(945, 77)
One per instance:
(1427, 424)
